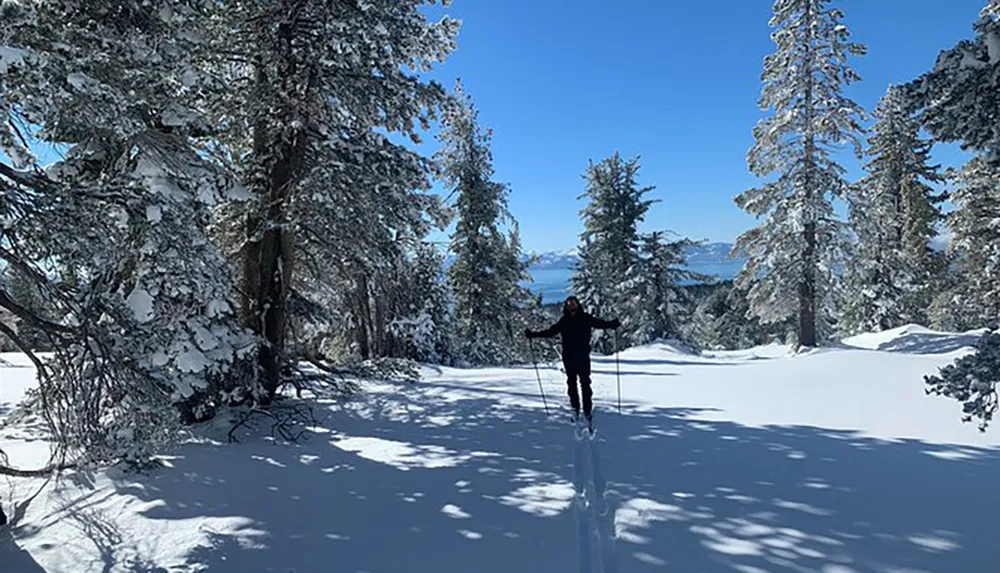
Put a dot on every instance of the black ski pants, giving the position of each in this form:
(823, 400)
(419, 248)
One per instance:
(578, 369)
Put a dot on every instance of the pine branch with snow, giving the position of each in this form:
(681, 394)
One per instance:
(972, 380)
(959, 98)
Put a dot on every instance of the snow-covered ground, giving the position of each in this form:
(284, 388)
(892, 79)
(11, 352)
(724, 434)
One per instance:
(752, 462)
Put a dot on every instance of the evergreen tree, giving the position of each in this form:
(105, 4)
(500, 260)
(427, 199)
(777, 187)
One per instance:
(142, 316)
(893, 215)
(320, 85)
(975, 228)
(664, 305)
(487, 271)
(723, 321)
(424, 322)
(792, 254)
(609, 277)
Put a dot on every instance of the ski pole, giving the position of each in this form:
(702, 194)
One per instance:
(531, 347)
(618, 373)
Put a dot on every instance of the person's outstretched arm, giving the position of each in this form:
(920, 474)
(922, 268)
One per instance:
(598, 323)
(548, 332)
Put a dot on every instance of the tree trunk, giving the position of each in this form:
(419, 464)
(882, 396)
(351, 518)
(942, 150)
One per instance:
(268, 258)
(363, 315)
(268, 266)
(807, 290)
(807, 286)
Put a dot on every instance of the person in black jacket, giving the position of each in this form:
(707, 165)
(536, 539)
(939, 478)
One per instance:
(3, 517)
(575, 327)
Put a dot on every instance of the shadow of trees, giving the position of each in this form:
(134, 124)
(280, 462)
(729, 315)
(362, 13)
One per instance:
(432, 478)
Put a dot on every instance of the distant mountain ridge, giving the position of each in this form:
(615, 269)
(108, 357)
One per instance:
(704, 255)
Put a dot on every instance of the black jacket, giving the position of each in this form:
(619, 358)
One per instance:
(575, 330)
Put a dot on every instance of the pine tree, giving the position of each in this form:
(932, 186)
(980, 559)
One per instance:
(141, 316)
(724, 321)
(975, 227)
(893, 215)
(792, 254)
(609, 278)
(958, 101)
(487, 272)
(663, 303)
(320, 86)
(423, 321)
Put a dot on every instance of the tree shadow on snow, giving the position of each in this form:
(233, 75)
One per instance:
(633, 373)
(662, 362)
(13, 559)
(421, 480)
(930, 343)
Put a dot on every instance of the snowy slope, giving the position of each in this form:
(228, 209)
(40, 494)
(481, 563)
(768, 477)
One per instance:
(754, 461)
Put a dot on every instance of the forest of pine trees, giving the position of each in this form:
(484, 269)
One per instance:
(239, 195)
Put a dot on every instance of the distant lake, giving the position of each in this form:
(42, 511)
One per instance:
(554, 284)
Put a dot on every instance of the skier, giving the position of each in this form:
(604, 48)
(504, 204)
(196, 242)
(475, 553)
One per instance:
(575, 326)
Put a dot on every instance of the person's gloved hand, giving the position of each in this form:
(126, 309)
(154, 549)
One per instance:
(616, 323)
(528, 333)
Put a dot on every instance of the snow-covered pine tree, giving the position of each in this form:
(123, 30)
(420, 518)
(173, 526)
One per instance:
(609, 276)
(793, 253)
(487, 272)
(423, 322)
(113, 235)
(723, 321)
(317, 86)
(959, 99)
(975, 228)
(893, 216)
(664, 305)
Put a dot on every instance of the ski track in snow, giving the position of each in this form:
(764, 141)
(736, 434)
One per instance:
(831, 461)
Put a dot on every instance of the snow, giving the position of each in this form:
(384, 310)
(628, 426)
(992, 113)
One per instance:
(141, 303)
(992, 40)
(191, 360)
(760, 460)
(154, 213)
(81, 81)
(10, 57)
(916, 339)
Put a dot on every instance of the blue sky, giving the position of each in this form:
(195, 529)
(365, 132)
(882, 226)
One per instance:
(677, 83)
